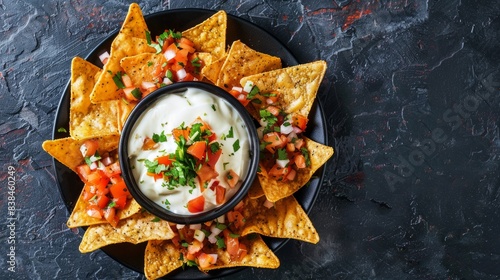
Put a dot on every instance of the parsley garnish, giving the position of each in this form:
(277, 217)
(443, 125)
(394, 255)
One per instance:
(159, 137)
(236, 145)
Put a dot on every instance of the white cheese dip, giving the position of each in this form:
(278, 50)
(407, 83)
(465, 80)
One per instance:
(171, 111)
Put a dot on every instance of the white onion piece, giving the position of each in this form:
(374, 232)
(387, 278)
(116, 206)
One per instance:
(179, 226)
(282, 162)
(146, 85)
(221, 219)
(238, 89)
(268, 204)
(169, 54)
(93, 166)
(214, 256)
(297, 130)
(181, 74)
(212, 239)
(260, 132)
(248, 86)
(199, 235)
(214, 230)
(103, 57)
(195, 226)
(291, 136)
(286, 129)
(263, 122)
(107, 161)
(167, 81)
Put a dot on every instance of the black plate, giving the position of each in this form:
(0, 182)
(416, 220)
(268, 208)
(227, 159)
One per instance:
(70, 185)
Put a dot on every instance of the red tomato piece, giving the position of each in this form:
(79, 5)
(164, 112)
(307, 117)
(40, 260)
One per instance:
(232, 178)
(83, 171)
(89, 147)
(165, 160)
(113, 169)
(205, 260)
(198, 149)
(120, 202)
(110, 216)
(118, 189)
(205, 174)
(220, 194)
(94, 211)
(299, 121)
(213, 157)
(196, 205)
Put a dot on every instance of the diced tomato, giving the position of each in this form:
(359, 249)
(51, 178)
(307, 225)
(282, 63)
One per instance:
(132, 93)
(98, 179)
(120, 202)
(186, 41)
(220, 194)
(299, 121)
(272, 97)
(113, 169)
(119, 189)
(232, 244)
(290, 147)
(165, 160)
(213, 157)
(87, 194)
(273, 141)
(291, 175)
(89, 147)
(196, 205)
(194, 247)
(83, 170)
(188, 78)
(94, 211)
(205, 174)
(182, 57)
(299, 143)
(149, 144)
(236, 218)
(111, 217)
(177, 133)
(198, 149)
(279, 172)
(273, 110)
(102, 201)
(171, 49)
(206, 260)
(299, 160)
(232, 178)
(186, 47)
(156, 176)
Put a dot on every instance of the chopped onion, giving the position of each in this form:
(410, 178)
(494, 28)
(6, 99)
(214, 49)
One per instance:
(146, 85)
(282, 162)
(263, 122)
(291, 136)
(215, 230)
(167, 81)
(260, 132)
(238, 89)
(269, 101)
(248, 86)
(107, 161)
(104, 57)
(297, 130)
(221, 219)
(212, 238)
(181, 74)
(169, 54)
(199, 235)
(195, 226)
(93, 166)
(268, 204)
(214, 257)
(286, 128)
(179, 226)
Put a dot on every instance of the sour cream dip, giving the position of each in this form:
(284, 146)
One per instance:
(180, 110)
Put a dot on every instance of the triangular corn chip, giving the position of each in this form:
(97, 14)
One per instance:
(141, 227)
(134, 24)
(276, 190)
(210, 35)
(160, 258)
(144, 67)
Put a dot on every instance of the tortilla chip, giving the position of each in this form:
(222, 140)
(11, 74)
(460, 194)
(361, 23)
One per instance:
(258, 255)
(297, 85)
(139, 228)
(210, 35)
(255, 190)
(87, 120)
(80, 218)
(276, 190)
(286, 219)
(211, 71)
(67, 150)
(122, 46)
(134, 24)
(143, 67)
(124, 109)
(160, 258)
(243, 61)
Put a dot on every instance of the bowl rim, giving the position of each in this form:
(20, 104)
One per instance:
(153, 207)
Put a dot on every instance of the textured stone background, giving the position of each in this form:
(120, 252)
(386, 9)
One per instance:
(411, 99)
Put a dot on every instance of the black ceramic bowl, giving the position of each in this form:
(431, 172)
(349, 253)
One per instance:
(160, 211)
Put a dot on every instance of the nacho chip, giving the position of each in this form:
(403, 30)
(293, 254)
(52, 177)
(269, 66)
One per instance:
(160, 258)
(255, 190)
(122, 46)
(124, 109)
(258, 255)
(80, 218)
(139, 228)
(276, 190)
(286, 219)
(211, 70)
(297, 85)
(134, 24)
(244, 61)
(210, 35)
(144, 67)
(67, 150)
(87, 120)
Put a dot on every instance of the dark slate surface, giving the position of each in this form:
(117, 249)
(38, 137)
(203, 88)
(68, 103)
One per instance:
(411, 99)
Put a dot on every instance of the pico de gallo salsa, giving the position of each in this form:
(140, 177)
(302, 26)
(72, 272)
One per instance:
(282, 146)
(104, 189)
